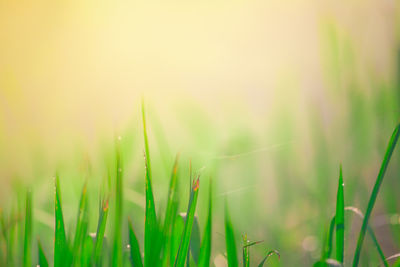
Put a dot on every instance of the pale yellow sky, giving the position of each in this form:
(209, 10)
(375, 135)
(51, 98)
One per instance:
(70, 69)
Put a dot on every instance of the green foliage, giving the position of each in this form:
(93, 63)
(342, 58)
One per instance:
(230, 240)
(375, 191)
(61, 249)
(205, 249)
(187, 232)
(151, 226)
(28, 230)
(136, 256)
(339, 220)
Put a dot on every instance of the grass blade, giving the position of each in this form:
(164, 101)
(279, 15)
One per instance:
(326, 253)
(28, 230)
(101, 227)
(375, 191)
(136, 257)
(246, 252)
(41, 256)
(150, 228)
(195, 241)
(371, 233)
(87, 252)
(61, 253)
(117, 248)
(184, 245)
(172, 198)
(269, 254)
(205, 249)
(230, 240)
(339, 220)
(170, 214)
(80, 231)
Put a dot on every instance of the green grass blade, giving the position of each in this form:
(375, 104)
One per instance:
(28, 230)
(205, 249)
(117, 246)
(339, 219)
(246, 252)
(61, 253)
(101, 228)
(151, 227)
(269, 254)
(230, 240)
(371, 233)
(195, 241)
(327, 251)
(80, 230)
(170, 215)
(172, 198)
(185, 240)
(41, 256)
(87, 252)
(375, 191)
(136, 256)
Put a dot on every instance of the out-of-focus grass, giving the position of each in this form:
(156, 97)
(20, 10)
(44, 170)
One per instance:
(282, 192)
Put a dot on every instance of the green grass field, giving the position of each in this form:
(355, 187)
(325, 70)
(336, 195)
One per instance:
(170, 237)
(278, 146)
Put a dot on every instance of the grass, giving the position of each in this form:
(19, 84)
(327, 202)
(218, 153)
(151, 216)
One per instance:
(173, 239)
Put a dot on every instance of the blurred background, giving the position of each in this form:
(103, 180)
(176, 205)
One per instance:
(265, 97)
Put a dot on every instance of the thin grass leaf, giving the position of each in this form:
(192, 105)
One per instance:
(371, 233)
(172, 198)
(185, 241)
(246, 252)
(375, 191)
(327, 251)
(177, 233)
(205, 249)
(87, 252)
(170, 214)
(230, 240)
(195, 241)
(61, 253)
(151, 227)
(80, 231)
(28, 230)
(339, 220)
(136, 256)
(101, 227)
(269, 254)
(117, 247)
(41, 256)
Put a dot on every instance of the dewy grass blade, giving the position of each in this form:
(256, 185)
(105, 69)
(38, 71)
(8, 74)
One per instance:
(61, 253)
(375, 191)
(101, 228)
(230, 240)
(150, 228)
(205, 249)
(41, 256)
(184, 244)
(80, 228)
(339, 219)
(117, 246)
(269, 254)
(28, 230)
(136, 256)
